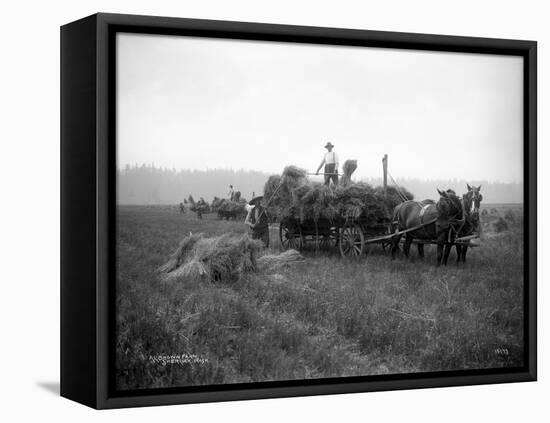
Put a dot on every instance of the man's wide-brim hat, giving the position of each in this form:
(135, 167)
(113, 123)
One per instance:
(329, 144)
(256, 200)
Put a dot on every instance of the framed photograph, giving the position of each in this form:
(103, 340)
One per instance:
(255, 210)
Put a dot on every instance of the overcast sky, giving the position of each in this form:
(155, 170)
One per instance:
(187, 102)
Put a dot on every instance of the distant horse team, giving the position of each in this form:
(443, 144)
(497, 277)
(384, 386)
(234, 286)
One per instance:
(230, 208)
(445, 221)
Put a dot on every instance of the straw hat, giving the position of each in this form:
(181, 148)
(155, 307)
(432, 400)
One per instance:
(256, 200)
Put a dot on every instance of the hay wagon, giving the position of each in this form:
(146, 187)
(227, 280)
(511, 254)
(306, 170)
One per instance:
(352, 236)
(352, 230)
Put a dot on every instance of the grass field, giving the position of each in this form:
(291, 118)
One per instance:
(324, 317)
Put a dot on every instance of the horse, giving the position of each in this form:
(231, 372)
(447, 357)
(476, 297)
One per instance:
(472, 201)
(437, 221)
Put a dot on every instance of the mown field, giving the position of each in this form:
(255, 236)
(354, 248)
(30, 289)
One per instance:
(324, 317)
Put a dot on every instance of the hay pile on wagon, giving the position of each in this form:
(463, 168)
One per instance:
(232, 209)
(293, 195)
(197, 206)
(216, 204)
(227, 209)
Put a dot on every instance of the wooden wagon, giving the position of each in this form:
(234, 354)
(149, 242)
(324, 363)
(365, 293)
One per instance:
(350, 235)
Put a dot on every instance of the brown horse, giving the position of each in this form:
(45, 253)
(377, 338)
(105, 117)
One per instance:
(436, 221)
(472, 202)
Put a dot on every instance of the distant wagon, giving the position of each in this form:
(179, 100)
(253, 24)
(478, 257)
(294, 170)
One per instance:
(228, 209)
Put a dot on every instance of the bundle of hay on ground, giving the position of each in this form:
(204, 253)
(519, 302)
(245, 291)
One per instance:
(273, 262)
(500, 225)
(292, 195)
(218, 259)
(222, 259)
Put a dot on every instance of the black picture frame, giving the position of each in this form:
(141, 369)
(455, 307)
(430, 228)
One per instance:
(88, 213)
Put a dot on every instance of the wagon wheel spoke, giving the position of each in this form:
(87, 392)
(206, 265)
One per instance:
(352, 240)
(290, 235)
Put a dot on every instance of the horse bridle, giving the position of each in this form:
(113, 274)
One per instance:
(474, 199)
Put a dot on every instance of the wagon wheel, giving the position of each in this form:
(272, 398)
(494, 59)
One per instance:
(329, 240)
(352, 240)
(290, 235)
(325, 239)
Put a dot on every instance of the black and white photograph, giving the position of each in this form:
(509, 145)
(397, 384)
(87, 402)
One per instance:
(289, 211)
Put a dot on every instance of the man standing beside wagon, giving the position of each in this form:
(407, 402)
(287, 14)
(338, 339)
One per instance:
(258, 220)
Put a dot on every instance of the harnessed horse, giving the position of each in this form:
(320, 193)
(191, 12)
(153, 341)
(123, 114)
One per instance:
(471, 201)
(441, 221)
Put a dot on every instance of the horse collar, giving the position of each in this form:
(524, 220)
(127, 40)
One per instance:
(422, 211)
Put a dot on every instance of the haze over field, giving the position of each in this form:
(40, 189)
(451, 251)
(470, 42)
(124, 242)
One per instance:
(151, 185)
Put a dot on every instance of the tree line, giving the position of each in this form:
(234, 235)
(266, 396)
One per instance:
(147, 184)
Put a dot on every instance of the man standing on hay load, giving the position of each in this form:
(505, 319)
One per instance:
(330, 160)
(258, 220)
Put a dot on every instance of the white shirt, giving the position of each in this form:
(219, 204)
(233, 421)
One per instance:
(331, 157)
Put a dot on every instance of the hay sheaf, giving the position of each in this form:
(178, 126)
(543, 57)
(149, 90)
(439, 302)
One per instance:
(348, 168)
(292, 195)
(273, 262)
(217, 259)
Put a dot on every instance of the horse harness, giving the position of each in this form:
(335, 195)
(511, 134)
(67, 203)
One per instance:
(456, 225)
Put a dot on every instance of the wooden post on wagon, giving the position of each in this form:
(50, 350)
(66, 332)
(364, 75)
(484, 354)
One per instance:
(385, 167)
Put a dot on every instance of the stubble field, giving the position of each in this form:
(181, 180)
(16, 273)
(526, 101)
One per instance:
(324, 317)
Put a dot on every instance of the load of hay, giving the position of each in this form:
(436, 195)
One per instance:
(292, 195)
(216, 203)
(231, 209)
(218, 259)
(196, 206)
